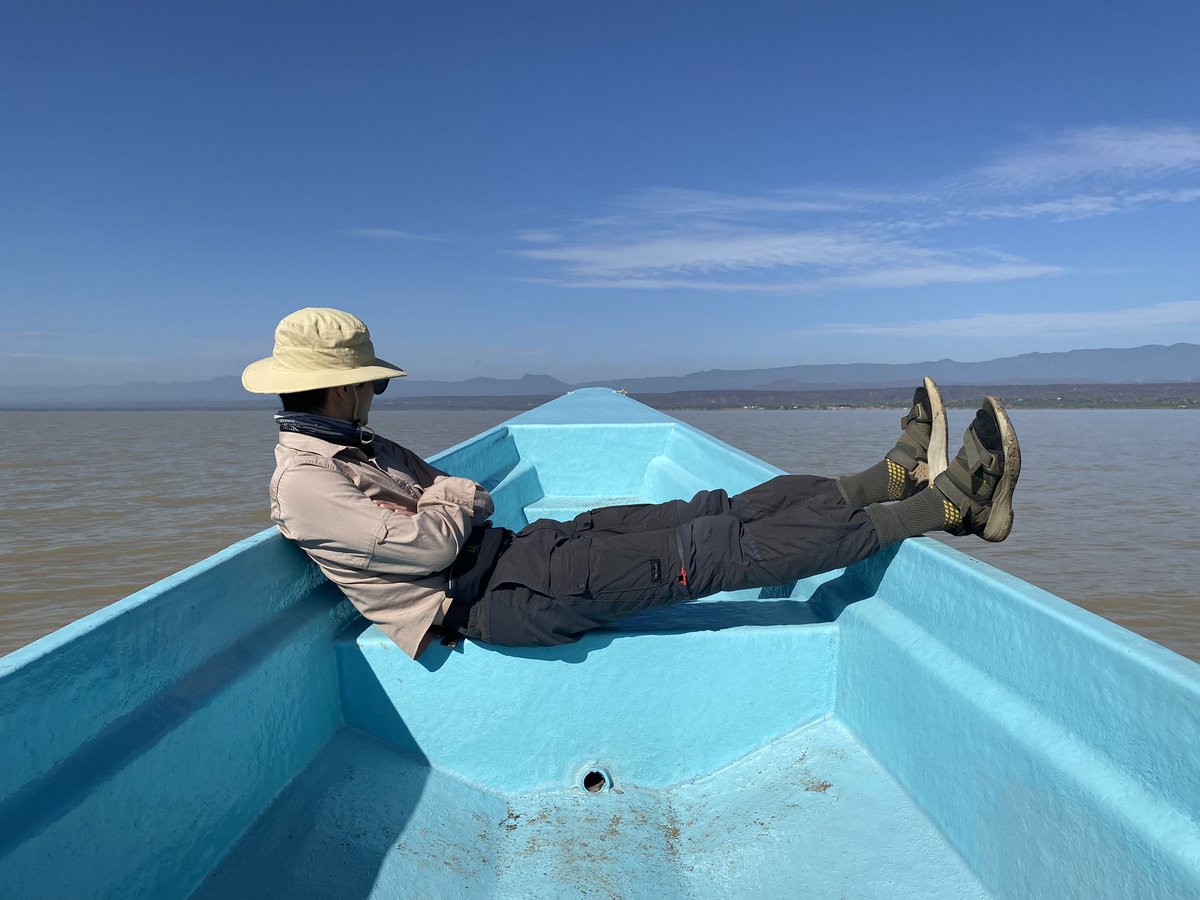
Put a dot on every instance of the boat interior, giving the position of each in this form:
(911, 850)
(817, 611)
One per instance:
(918, 725)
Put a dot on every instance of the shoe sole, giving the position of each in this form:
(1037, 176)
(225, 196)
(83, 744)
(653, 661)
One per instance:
(1000, 518)
(939, 443)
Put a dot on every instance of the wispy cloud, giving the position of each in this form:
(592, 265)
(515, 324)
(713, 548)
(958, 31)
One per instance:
(538, 236)
(1083, 206)
(1120, 321)
(713, 253)
(1083, 174)
(392, 234)
(926, 273)
(1103, 153)
(737, 258)
(729, 250)
(668, 203)
(821, 238)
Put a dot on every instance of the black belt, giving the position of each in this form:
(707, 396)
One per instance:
(470, 572)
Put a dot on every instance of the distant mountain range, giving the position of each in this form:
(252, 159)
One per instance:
(1152, 363)
(1138, 365)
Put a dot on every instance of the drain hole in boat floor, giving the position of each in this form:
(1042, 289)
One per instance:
(595, 781)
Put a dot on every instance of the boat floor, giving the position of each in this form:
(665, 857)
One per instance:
(810, 815)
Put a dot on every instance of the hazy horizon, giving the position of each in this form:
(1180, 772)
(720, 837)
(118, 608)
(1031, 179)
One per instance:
(415, 377)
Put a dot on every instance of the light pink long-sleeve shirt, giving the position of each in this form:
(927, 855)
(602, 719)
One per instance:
(391, 565)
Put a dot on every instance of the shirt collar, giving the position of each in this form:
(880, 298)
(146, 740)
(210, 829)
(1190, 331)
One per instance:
(295, 441)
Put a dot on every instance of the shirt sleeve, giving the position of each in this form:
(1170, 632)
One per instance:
(482, 506)
(428, 475)
(334, 521)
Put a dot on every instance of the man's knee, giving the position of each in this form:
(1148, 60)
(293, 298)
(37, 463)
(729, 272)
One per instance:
(784, 492)
(706, 503)
(712, 548)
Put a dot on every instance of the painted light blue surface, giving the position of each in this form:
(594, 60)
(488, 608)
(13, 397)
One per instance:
(919, 725)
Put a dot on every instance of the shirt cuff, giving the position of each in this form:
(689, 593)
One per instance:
(459, 491)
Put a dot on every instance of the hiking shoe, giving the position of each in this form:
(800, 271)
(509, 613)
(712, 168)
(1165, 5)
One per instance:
(978, 485)
(921, 448)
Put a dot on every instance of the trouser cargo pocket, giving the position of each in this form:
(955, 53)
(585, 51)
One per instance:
(634, 566)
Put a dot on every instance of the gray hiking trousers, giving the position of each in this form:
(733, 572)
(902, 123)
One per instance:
(558, 580)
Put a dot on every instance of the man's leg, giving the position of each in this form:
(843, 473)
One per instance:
(761, 500)
(906, 468)
(918, 457)
(638, 517)
(812, 527)
(816, 531)
(554, 584)
(758, 502)
(548, 591)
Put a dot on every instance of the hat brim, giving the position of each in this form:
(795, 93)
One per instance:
(266, 377)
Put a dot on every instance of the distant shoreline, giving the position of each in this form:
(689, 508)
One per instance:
(1169, 395)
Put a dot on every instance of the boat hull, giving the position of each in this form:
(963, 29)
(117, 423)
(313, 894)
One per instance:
(919, 724)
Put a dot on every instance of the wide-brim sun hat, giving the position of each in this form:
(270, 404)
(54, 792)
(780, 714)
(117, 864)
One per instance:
(318, 348)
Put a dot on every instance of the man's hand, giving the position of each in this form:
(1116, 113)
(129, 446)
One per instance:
(392, 507)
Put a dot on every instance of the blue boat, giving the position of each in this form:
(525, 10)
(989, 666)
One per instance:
(919, 725)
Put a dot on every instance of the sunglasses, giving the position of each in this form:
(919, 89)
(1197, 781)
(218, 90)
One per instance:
(380, 386)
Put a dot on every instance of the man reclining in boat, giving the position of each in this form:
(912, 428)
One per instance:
(414, 549)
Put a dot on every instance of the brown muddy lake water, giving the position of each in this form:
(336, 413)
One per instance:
(97, 504)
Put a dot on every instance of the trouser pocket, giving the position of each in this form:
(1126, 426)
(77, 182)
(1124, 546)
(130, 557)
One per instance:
(633, 566)
(589, 581)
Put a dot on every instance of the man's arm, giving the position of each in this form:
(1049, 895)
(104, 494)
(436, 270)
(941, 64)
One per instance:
(334, 521)
(428, 475)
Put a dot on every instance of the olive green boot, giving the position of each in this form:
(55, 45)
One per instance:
(918, 457)
(921, 449)
(977, 487)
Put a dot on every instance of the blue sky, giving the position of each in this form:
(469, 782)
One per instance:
(594, 190)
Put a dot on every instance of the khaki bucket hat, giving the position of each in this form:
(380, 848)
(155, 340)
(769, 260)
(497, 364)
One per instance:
(318, 348)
